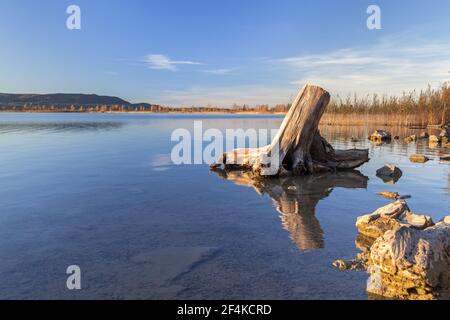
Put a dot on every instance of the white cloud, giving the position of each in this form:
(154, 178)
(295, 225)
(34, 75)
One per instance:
(390, 66)
(162, 62)
(223, 71)
(339, 57)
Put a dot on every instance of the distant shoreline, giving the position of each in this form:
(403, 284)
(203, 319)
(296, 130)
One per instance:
(151, 112)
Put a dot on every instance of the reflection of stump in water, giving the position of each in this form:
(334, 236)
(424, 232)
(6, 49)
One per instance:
(296, 198)
(297, 213)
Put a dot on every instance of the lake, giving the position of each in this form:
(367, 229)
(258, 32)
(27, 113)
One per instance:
(100, 191)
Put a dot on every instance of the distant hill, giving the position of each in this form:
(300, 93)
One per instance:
(60, 99)
(145, 105)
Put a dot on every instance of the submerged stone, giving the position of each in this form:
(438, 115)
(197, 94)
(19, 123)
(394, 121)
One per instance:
(411, 138)
(380, 135)
(389, 173)
(389, 195)
(357, 264)
(424, 135)
(419, 158)
(342, 264)
(434, 139)
(444, 136)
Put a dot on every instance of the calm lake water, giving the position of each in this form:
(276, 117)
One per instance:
(99, 191)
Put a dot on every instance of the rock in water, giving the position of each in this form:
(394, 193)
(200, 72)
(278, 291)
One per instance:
(411, 263)
(389, 173)
(411, 138)
(433, 145)
(357, 264)
(393, 195)
(406, 255)
(389, 195)
(342, 264)
(444, 136)
(380, 135)
(433, 139)
(424, 135)
(389, 217)
(419, 158)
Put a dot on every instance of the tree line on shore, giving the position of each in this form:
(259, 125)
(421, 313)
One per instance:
(32, 107)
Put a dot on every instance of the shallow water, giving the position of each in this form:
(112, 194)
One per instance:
(99, 191)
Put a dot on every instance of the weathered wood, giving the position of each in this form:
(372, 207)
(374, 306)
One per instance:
(298, 148)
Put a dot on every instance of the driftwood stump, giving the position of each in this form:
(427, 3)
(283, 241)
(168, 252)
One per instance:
(298, 148)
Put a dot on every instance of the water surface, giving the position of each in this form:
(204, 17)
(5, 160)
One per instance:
(100, 191)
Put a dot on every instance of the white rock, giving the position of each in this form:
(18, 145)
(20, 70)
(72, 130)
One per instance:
(411, 263)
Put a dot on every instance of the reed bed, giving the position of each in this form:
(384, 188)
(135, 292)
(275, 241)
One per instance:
(414, 109)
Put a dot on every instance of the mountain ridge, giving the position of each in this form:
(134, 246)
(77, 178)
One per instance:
(78, 99)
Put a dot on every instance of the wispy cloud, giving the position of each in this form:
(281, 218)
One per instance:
(162, 62)
(223, 71)
(343, 57)
(389, 66)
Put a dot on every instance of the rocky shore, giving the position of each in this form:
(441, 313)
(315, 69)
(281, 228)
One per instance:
(407, 255)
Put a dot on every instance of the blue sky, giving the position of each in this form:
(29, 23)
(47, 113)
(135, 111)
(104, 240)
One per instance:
(220, 52)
